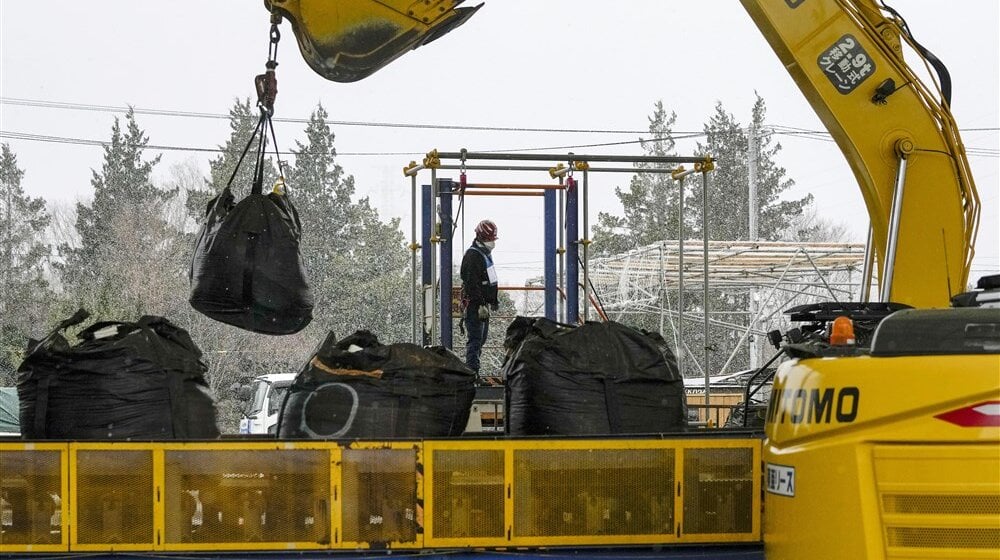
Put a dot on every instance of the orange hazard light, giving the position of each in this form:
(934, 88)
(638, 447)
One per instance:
(842, 332)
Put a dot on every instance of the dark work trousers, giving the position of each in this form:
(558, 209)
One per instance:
(477, 331)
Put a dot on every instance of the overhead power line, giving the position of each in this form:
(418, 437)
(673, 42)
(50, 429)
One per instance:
(777, 129)
(90, 142)
(784, 130)
(201, 115)
(166, 148)
(13, 135)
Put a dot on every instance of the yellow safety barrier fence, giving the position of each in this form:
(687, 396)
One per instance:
(469, 493)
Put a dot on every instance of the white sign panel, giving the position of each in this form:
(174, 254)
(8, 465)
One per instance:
(781, 480)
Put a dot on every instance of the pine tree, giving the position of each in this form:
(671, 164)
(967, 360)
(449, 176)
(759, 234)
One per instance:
(356, 262)
(122, 234)
(23, 254)
(650, 205)
(728, 142)
(124, 180)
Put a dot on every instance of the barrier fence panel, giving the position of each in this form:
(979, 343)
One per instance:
(381, 503)
(34, 505)
(721, 492)
(113, 497)
(466, 504)
(574, 491)
(256, 497)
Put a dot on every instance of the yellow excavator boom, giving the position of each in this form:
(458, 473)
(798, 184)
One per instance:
(846, 56)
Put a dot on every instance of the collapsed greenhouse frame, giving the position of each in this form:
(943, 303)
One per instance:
(777, 275)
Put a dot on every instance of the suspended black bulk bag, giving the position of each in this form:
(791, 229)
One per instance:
(595, 379)
(122, 381)
(360, 388)
(247, 270)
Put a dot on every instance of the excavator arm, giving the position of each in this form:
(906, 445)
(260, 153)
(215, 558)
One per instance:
(347, 40)
(847, 58)
(898, 136)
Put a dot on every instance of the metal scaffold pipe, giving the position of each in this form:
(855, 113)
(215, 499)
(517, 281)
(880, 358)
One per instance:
(561, 250)
(485, 192)
(513, 186)
(654, 171)
(705, 305)
(680, 275)
(435, 225)
(413, 259)
(586, 248)
(572, 158)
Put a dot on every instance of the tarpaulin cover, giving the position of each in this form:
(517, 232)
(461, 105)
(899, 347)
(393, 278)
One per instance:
(121, 381)
(9, 423)
(360, 388)
(247, 270)
(595, 379)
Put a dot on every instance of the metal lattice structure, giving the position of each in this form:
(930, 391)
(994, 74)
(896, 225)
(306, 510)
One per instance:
(771, 275)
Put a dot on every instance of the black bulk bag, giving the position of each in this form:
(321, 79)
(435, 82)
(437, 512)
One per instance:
(594, 379)
(360, 388)
(247, 269)
(121, 381)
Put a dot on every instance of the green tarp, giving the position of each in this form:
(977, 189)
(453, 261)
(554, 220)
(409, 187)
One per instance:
(9, 411)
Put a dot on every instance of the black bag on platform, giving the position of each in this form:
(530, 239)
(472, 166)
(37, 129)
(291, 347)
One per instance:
(247, 270)
(360, 388)
(594, 379)
(121, 381)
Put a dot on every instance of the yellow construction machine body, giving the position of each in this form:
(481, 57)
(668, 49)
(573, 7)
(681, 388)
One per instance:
(883, 457)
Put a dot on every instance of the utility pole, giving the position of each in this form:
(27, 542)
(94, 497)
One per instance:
(752, 233)
(752, 181)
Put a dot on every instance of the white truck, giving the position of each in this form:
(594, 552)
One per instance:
(266, 393)
(9, 412)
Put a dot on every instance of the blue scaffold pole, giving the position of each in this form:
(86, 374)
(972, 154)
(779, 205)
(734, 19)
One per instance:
(550, 254)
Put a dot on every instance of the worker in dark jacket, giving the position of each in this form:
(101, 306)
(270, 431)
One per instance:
(479, 290)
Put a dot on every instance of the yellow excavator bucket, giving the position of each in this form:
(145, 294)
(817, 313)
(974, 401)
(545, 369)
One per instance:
(347, 40)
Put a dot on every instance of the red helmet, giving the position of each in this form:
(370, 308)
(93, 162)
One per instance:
(486, 231)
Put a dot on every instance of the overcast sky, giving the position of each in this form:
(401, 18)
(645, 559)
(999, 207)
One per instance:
(554, 64)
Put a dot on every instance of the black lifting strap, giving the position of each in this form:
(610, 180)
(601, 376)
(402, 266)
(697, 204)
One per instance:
(257, 189)
(258, 130)
(613, 405)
